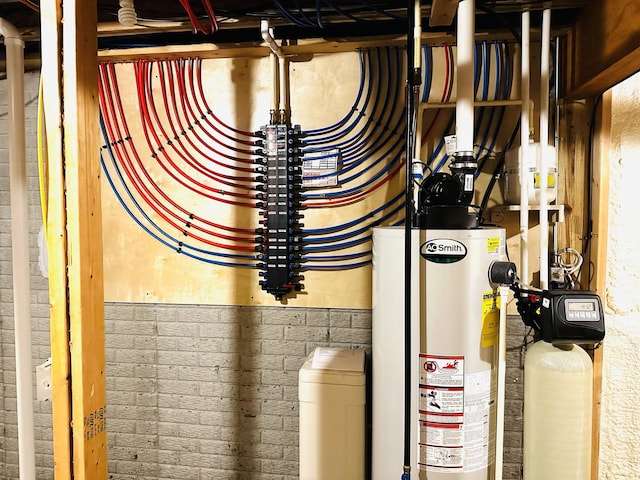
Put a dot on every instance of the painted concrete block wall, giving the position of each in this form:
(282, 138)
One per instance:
(194, 392)
(620, 455)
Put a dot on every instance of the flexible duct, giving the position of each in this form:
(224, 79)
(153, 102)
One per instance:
(20, 248)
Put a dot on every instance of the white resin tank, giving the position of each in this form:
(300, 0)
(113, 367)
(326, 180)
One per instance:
(557, 412)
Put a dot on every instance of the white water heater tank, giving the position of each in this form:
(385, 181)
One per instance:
(557, 412)
(461, 317)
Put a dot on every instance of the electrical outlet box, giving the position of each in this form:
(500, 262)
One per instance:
(43, 381)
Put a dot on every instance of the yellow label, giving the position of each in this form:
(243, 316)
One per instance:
(493, 244)
(551, 180)
(490, 318)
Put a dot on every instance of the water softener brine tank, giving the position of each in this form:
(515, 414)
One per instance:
(557, 412)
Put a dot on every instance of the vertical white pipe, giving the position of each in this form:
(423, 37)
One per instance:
(417, 36)
(465, 77)
(524, 148)
(544, 148)
(500, 393)
(20, 248)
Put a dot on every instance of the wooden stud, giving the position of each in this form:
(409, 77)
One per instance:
(606, 47)
(84, 239)
(443, 12)
(598, 253)
(51, 26)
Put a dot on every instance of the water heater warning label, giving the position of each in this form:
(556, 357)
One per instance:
(441, 412)
(454, 413)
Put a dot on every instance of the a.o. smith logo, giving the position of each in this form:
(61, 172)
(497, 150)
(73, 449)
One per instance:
(443, 250)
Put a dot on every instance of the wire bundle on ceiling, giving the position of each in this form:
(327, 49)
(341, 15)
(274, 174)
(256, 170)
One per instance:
(315, 16)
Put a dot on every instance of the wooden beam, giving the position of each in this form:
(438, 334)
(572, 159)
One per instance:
(598, 252)
(605, 47)
(443, 12)
(51, 28)
(84, 239)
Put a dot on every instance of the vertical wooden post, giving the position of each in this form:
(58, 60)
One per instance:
(598, 252)
(51, 30)
(75, 235)
(84, 238)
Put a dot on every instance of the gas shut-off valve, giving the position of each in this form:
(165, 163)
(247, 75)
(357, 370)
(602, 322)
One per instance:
(559, 316)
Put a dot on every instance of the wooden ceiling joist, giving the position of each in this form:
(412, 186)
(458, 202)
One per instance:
(604, 47)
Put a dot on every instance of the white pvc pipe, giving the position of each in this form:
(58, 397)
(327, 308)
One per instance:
(543, 167)
(465, 77)
(524, 148)
(502, 371)
(20, 248)
(417, 35)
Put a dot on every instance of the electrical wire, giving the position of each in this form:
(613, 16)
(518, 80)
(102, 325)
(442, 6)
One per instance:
(43, 180)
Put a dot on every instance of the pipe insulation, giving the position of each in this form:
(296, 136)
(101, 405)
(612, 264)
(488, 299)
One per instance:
(465, 77)
(543, 160)
(524, 146)
(20, 248)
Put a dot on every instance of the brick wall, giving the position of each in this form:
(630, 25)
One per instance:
(194, 392)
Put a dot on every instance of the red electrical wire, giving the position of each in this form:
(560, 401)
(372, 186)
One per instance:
(109, 110)
(195, 23)
(31, 5)
(212, 15)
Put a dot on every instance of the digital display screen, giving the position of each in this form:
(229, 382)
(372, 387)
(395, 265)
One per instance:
(581, 306)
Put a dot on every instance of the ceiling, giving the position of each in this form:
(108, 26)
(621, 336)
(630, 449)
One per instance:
(168, 22)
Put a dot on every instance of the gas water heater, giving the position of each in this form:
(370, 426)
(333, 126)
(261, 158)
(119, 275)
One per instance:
(458, 352)
(456, 323)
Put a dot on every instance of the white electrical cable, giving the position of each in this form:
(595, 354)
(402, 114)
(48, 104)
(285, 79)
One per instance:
(127, 13)
(573, 266)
